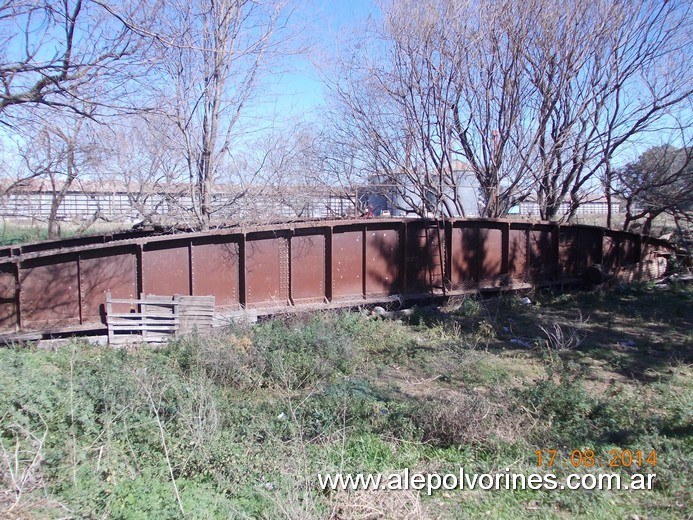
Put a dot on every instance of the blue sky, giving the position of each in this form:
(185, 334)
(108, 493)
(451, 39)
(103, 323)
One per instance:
(295, 91)
(299, 91)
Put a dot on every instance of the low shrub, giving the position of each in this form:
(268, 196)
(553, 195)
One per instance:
(353, 405)
(570, 415)
(474, 419)
(300, 351)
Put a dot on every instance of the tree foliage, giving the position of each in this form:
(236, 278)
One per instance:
(658, 182)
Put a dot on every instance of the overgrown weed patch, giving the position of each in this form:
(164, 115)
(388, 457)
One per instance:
(238, 424)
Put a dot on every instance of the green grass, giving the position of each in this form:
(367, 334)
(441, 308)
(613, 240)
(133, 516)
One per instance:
(245, 420)
(13, 233)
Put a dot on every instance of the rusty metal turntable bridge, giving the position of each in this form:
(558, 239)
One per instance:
(60, 287)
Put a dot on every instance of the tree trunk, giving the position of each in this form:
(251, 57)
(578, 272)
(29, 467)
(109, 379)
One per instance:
(608, 180)
(59, 196)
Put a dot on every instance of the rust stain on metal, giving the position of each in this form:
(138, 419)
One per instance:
(541, 251)
(347, 263)
(61, 285)
(308, 268)
(578, 249)
(425, 257)
(8, 296)
(627, 252)
(610, 251)
(166, 270)
(267, 271)
(382, 262)
(517, 254)
(216, 271)
(116, 273)
(49, 295)
(464, 256)
(490, 244)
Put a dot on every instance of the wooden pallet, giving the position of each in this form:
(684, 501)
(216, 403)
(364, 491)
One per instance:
(158, 318)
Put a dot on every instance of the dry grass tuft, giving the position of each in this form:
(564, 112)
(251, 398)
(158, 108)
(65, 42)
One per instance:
(459, 419)
(376, 504)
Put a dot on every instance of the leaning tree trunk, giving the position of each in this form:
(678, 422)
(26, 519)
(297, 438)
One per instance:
(59, 196)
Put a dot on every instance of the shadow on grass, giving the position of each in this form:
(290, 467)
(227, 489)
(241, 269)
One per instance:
(638, 332)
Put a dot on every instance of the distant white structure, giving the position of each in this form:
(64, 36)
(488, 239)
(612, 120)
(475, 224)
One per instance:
(593, 206)
(383, 195)
(130, 204)
(115, 203)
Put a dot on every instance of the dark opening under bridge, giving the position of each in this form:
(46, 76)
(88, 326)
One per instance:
(60, 286)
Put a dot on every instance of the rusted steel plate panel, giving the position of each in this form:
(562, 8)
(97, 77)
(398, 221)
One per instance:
(568, 247)
(591, 245)
(347, 264)
(569, 257)
(609, 251)
(418, 257)
(47, 245)
(49, 296)
(424, 257)
(477, 255)
(648, 250)
(8, 301)
(490, 253)
(578, 249)
(382, 262)
(215, 268)
(464, 257)
(333, 259)
(652, 248)
(541, 252)
(308, 268)
(517, 254)
(116, 273)
(627, 250)
(166, 270)
(267, 271)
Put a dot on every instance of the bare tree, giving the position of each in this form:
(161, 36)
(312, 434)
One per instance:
(206, 62)
(607, 74)
(391, 122)
(442, 101)
(63, 65)
(659, 182)
(215, 55)
(291, 176)
(55, 154)
(51, 49)
(144, 166)
(533, 98)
